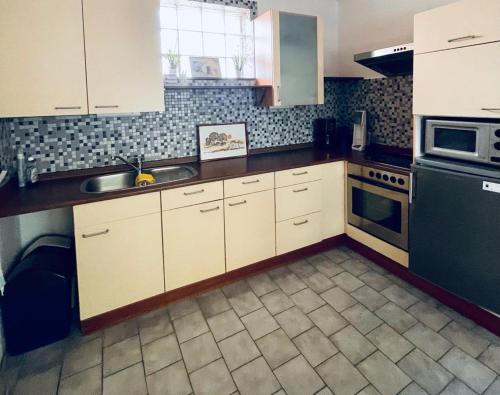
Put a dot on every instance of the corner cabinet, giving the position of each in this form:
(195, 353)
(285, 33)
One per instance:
(289, 58)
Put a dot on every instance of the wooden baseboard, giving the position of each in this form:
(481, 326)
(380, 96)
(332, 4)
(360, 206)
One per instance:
(133, 310)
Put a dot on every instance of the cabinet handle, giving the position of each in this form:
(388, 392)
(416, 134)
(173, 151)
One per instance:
(194, 193)
(237, 204)
(300, 174)
(250, 182)
(301, 223)
(110, 106)
(300, 190)
(104, 232)
(68, 108)
(490, 109)
(209, 210)
(463, 38)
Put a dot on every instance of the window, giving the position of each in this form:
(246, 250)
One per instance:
(192, 28)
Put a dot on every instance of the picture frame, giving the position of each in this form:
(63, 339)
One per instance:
(222, 141)
(205, 67)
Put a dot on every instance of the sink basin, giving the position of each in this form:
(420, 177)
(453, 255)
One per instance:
(126, 180)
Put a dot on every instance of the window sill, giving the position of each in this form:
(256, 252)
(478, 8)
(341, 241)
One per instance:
(222, 83)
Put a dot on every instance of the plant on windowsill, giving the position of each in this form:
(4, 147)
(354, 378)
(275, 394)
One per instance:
(239, 64)
(173, 59)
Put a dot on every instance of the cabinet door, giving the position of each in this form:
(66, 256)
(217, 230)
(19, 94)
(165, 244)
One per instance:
(193, 240)
(468, 22)
(118, 263)
(42, 61)
(462, 82)
(250, 229)
(333, 209)
(122, 44)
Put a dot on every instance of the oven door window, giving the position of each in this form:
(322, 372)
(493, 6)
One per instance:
(461, 140)
(377, 209)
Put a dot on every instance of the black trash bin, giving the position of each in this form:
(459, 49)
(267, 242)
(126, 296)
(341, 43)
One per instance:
(36, 305)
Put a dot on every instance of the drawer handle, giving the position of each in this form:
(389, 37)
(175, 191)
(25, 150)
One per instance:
(301, 223)
(301, 174)
(104, 232)
(237, 204)
(463, 38)
(194, 193)
(250, 182)
(490, 109)
(68, 108)
(109, 106)
(300, 190)
(209, 210)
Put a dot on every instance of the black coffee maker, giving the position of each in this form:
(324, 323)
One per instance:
(325, 134)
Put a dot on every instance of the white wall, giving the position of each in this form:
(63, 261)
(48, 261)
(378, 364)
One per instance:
(325, 8)
(365, 25)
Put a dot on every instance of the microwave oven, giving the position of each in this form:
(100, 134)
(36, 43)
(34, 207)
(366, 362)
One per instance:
(463, 140)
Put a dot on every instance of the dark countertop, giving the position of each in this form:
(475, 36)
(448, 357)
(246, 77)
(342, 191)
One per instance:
(57, 191)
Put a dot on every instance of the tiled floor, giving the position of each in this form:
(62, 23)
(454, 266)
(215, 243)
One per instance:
(334, 323)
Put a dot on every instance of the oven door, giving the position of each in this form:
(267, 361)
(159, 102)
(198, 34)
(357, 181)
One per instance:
(378, 211)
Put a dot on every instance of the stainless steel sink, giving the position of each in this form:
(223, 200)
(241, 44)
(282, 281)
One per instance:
(126, 180)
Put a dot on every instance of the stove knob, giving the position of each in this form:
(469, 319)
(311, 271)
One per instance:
(401, 181)
(497, 146)
(497, 133)
(385, 177)
(393, 179)
(379, 176)
(371, 173)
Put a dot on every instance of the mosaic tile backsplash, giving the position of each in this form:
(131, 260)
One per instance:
(66, 143)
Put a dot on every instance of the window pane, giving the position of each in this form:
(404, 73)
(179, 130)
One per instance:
(237, 46)
(213, 20)
(189, 18)
(213, 45)
(190, 43)
(168, 17)
(233, 23)
(185, 66)
(168, 41)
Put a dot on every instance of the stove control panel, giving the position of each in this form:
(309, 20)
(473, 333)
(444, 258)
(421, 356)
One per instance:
(401, 181)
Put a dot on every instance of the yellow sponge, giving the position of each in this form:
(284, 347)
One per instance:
(144, 179)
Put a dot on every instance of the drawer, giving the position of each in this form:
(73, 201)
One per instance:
(297, 200)
(298, 233)
(250, 184)
(193, 194)
(298, 176)
(116, 209)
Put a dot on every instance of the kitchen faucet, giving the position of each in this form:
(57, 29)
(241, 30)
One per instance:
(137, 167)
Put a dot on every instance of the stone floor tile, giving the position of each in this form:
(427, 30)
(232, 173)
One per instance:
(213, 379)
(278, 271)
(399, 296)
(315, 346)
(457, 317)
(190, 326)
(347, 282)
(121, 355)
(39, 383)
(491, 337)
(82, 357)
(298, 378)
(354, 266)
(472, 372)
(173, 380)
(127, 381)
(256, 378)
(307, 300)
(383, 374)
(120, 332)
(396, 317)
(200, 351)
(293, 321)
(225, 324)
(259, 323)
(375, 280)
(391, 343)
(302, 268)
(361, 318)
(325, 391)
(468, 341)
(429, 315)
(182, 308)
(328, 320)
(369, 298)
(44, 358)
(327, 267)
(238, 350)
(154, 327)
(337, 255)
(494, 389)
(370, 390)
(430, 342)
(161, 353)
(277, 348)
(431, 376)
(276, 301)
(413, 389)
(338, 299)
(353, 344)
(341, 376)
(244, 302)
(213, 303)
(318, 282)
(456, 387)
(261, 284)
(289, 283)
(491, 358)
(87, 382)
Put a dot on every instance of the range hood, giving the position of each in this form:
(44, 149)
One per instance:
(390, 62)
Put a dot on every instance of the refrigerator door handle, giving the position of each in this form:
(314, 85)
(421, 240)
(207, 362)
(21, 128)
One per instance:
(413, 187)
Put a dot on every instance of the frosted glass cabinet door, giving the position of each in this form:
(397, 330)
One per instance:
(299, 59)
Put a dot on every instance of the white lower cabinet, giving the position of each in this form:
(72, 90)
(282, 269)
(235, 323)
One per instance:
(333, 196)
(298, 233)
(250, 229)
(193, 240)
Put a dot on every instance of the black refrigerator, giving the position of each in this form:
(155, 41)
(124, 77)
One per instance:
(455, 229)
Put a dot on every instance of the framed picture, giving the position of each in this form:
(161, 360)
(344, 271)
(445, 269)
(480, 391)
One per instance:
(203, 67)
(222, 141)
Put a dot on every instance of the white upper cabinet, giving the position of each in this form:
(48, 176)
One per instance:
(467, 22)
(42, 58)
(123, 52)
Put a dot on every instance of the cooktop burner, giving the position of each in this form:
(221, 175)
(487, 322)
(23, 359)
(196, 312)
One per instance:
(390, 159)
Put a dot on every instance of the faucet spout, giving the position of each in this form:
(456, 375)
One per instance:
(137, 168)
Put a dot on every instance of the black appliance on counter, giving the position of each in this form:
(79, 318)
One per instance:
(325, 134)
